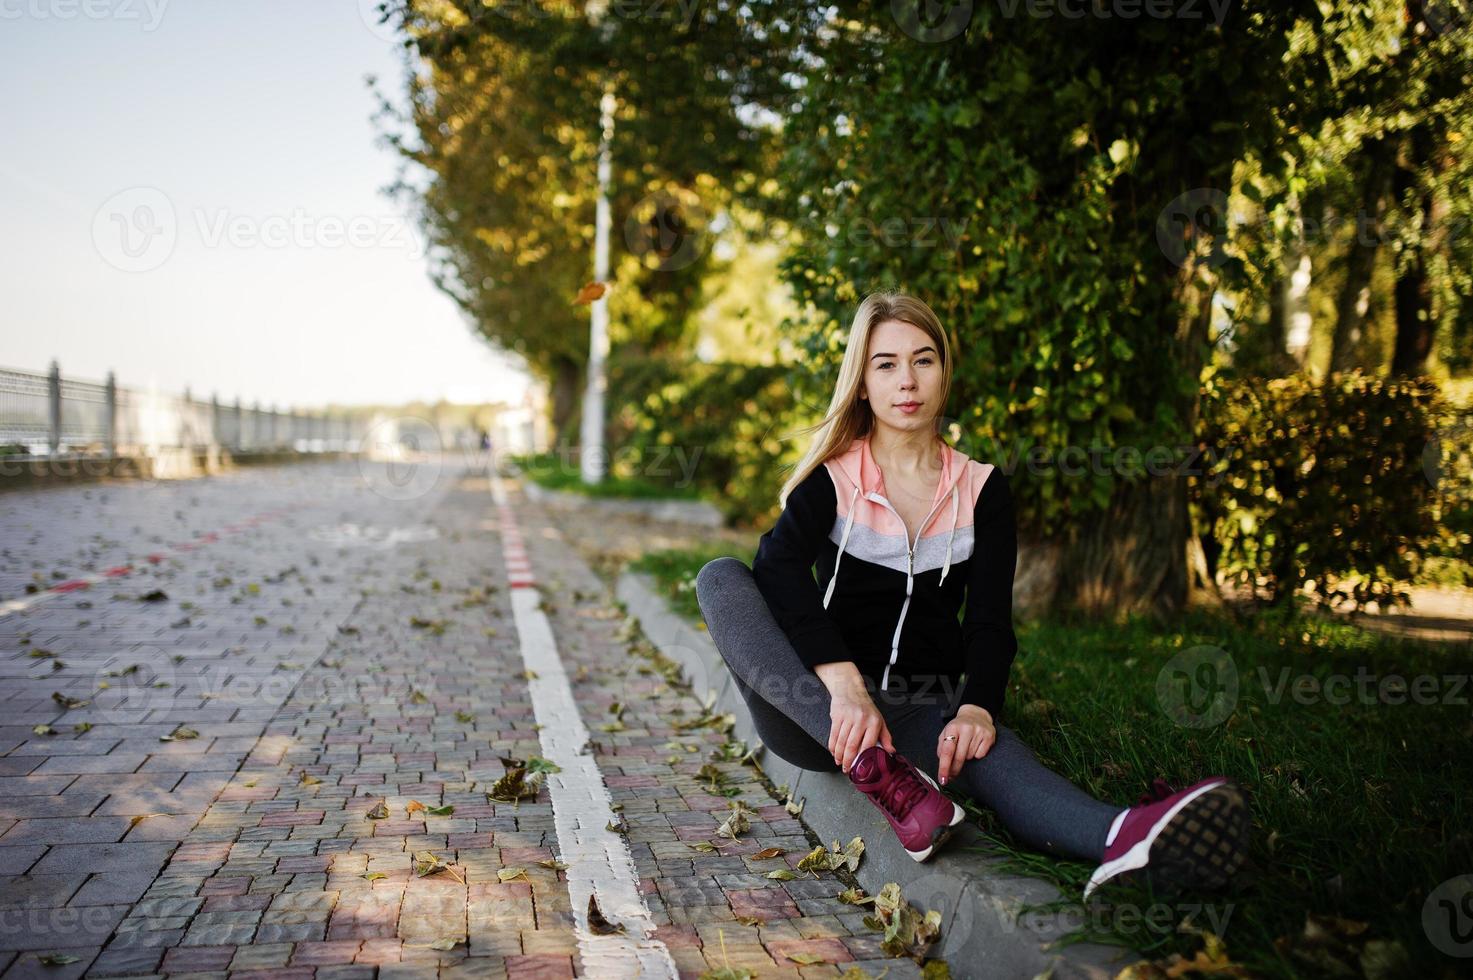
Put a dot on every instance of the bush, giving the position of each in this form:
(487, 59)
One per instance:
(1326, 484)
(714, 425)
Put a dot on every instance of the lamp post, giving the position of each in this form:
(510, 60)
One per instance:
(591, 459)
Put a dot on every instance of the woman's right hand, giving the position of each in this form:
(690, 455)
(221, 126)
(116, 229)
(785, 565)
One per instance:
(854, 725)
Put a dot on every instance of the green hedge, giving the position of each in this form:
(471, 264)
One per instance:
(713, 425)
(1329, 483)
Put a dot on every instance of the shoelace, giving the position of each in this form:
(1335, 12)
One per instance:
(1160, 790)
(904, 791)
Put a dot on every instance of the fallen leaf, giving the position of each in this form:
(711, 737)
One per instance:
(507, 874)
(739, 822)
(599, 925)
(380, 811)
(427, 863)
(373, 875)
(58, 959)
(806, 959)
(768, 852)
(589, 292)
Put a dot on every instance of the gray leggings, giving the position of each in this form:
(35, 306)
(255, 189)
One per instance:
(790, 709)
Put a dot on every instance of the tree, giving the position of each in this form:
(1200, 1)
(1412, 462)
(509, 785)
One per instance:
(502, 113)
(1084, 165)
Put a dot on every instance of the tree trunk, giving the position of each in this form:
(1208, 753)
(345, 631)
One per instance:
(1134, 558)
(1353, 306)
(567, 388)
(1298, 322)
(1413, 295)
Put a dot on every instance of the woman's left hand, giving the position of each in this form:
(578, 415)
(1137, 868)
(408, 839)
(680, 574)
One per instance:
(975, 735)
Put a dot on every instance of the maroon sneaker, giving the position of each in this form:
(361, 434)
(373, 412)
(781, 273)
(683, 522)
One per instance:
(1191, 838)
(921, 814)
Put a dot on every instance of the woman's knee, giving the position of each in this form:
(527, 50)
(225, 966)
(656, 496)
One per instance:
(717, 576)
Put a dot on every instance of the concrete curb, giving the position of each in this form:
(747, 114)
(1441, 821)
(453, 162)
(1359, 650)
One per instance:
(986, 930)
(683, 511)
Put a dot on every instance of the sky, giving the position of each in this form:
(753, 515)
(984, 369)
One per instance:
(191, 196)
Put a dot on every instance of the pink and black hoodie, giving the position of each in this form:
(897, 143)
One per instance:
(895, 611)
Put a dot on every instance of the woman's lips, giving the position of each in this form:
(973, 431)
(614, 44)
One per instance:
(910, 409)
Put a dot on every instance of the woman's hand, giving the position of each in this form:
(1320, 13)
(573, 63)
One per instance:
(974, 734)
(854, 722)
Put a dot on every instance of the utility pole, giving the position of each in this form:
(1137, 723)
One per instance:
(591, 458)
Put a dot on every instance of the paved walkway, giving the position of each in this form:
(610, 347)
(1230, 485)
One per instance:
(236, 735)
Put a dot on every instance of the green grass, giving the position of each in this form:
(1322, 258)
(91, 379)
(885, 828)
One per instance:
(1359, 809)
(547, 470)
(675, 572)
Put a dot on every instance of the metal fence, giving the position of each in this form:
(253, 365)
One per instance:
(48, 415)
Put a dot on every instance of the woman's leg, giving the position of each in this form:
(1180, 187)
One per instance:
(789, 704)
(1034, 803)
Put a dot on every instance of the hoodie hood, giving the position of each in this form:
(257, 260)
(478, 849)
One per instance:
(873, 530)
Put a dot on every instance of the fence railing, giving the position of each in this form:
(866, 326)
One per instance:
(48, 415)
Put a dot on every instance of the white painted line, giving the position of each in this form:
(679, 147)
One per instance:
(598, 859)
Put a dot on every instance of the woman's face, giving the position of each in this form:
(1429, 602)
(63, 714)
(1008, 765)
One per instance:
(902, 376)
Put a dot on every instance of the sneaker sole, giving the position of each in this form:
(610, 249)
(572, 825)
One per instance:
(940, 835)
(1199, 844)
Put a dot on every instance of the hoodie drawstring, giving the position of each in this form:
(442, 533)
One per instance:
(955, 505)
(833, 579)
(909, 579)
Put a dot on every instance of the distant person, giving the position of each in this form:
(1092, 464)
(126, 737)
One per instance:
(485, 439)
(860, 672)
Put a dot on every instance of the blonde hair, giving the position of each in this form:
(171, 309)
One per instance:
(850, 417)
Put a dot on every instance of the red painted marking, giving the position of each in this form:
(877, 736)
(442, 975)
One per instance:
(155, 557)
(71, 585)
(117, 570)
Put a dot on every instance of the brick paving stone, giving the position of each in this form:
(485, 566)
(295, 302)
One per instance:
(238, 853)
(17, 860)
